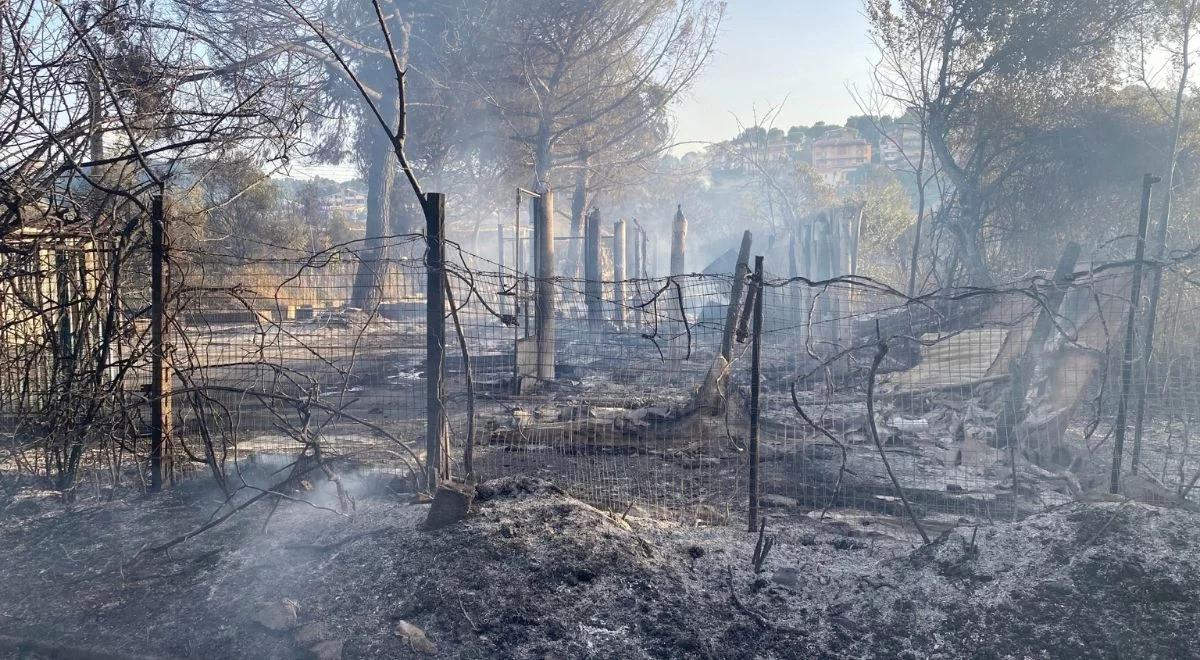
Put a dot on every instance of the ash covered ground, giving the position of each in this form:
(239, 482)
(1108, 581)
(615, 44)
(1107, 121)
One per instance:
(535, 573)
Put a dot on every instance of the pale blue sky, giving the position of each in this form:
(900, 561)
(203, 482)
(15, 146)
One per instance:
(801, 53)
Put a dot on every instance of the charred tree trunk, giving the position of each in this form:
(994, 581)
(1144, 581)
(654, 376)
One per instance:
(966, 230)
(740, 271)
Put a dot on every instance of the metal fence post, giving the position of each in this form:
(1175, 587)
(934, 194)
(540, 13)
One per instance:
(160, 377)
(755, 383)
(1127, 358)
(434, 208)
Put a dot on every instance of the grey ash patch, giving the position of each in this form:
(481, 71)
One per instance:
(535, 573)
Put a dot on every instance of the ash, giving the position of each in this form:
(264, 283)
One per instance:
(535, 573)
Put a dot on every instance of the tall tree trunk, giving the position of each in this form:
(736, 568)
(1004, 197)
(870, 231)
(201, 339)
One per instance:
(405, 215)
(578, 213)
(967, 226)
(384, 158)
(969, 242)
(381, 175)
(918, 174)
(542, 158)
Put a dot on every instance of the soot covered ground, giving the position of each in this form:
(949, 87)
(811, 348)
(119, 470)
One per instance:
(535, 573)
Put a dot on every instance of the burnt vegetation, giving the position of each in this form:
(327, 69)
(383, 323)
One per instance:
(536, 378)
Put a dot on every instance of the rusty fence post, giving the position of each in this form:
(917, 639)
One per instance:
(755, 385)
(1128, 357)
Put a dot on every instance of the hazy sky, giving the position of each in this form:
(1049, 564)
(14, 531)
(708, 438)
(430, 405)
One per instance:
(801, 53)
(798, 53)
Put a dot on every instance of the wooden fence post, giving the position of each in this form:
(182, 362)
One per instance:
(633, 262)
(618, 251)
(679, 243)
(161, 468)
(741, 269)
(543, 316)
(649, 263)
(592, 285)
(500, 249)
(654, 254)
(755, 385)
(436, 464)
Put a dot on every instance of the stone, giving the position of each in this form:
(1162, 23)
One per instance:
(279, 616)
(415, 637)
(451, 503)
(311, 633)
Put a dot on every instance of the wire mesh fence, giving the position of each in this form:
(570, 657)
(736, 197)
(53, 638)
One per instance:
(277, 355)
(987, 402)
(620, 422)
(971, 402)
